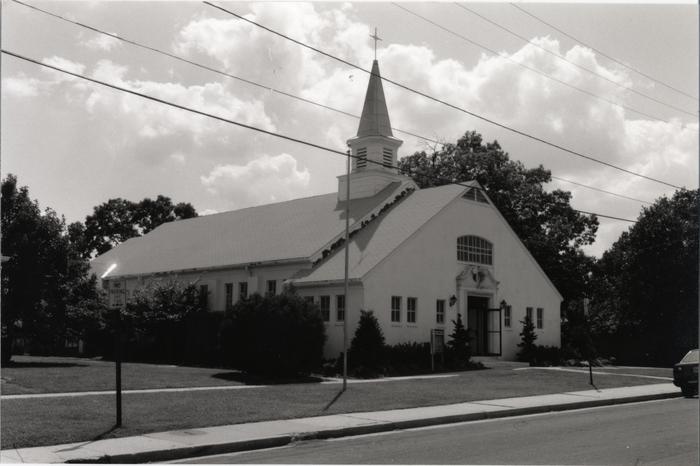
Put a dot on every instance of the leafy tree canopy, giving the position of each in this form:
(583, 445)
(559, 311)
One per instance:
(545, 221)
(645, 299)
(45, 283)
(117, 220)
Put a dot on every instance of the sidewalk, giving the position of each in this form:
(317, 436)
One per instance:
(164, 446)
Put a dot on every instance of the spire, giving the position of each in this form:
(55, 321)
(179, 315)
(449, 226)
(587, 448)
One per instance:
(375, 116)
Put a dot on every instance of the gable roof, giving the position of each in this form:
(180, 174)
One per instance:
(378, 239)
(284, 231)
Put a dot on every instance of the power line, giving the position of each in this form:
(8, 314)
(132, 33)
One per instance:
(236, 123)
(529, 68)
(588, 70)
(132, 42)
(600, 190)
(532, 15)
(435, 99)
(208, 68)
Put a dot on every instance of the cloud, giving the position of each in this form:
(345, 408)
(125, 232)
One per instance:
(101, 42)
(262, 180)
(21, 86)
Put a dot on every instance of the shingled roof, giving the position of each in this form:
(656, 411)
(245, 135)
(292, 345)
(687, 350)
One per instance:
(380, 237)
(282, 231)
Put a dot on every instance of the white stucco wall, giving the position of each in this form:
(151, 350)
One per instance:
(334, 328)
(425, 267)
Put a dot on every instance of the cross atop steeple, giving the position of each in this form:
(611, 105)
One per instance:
(376, 38)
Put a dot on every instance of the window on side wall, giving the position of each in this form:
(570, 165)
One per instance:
(540, 316)
(528, 314)
(272, 287)
(507, 316)
(440, 311)
(325, 305)
(229, 295)
(340, 307)
(411, 304)
(243, 290)
(396, 308)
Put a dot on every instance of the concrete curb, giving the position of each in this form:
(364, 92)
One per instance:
(281, 440)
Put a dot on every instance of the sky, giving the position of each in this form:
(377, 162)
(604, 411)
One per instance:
(76, 144)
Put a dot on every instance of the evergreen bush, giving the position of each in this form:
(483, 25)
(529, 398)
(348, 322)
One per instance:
(459, 346)
(527, 345)
(366, 356)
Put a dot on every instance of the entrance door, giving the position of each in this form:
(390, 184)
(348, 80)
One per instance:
(485, 327)
(493, 332)
(477, 321)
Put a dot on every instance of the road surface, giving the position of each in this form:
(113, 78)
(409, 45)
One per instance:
(659, 432)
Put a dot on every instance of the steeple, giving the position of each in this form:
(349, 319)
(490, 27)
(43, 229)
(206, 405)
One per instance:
(375, 148)
(375, 116)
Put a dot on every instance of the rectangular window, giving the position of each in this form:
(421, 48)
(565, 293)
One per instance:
(528, 313)
(506, 316)
(440, 311)
(540, 311)
(272, 287)
(204, 296)
(340, 307)
(396, 308)
(411, 310)
(325, 305)
(242, 290)
(229, 295)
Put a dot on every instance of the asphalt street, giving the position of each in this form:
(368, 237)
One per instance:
(658, 432)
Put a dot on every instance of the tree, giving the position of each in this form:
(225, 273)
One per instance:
(645, 303)
(278, 335)
(527, 345)
(367, 345)
(459, 344)
(546, 223)
(118, 220)
(156, 320)
(44, 281)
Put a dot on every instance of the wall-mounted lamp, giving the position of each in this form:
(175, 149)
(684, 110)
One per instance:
(504, 304)
(453, 300)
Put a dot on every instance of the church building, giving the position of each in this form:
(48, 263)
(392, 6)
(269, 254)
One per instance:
(417, 257)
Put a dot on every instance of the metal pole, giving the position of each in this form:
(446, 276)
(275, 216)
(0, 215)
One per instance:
(347, 295)
(590, 372)
(118, 362)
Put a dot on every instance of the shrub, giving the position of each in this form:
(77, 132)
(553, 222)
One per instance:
(408, 358)
(278, 335)
(366, 354)
(527, 345)
(547, 356)
(459, 348)
(158, 324)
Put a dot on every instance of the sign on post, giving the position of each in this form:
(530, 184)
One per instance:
(437, 346)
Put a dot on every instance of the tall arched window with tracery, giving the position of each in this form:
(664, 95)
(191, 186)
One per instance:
(474, 249)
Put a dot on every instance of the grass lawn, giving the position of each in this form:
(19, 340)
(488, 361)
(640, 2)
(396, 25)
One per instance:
(31, 374)
(37, 421)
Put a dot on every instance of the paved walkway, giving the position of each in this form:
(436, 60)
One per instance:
(163, 446)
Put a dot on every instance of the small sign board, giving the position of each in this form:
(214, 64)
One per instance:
(437, 341)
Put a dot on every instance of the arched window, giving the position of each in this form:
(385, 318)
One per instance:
(474, 249)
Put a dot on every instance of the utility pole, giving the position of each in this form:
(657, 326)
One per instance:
(347, 295)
